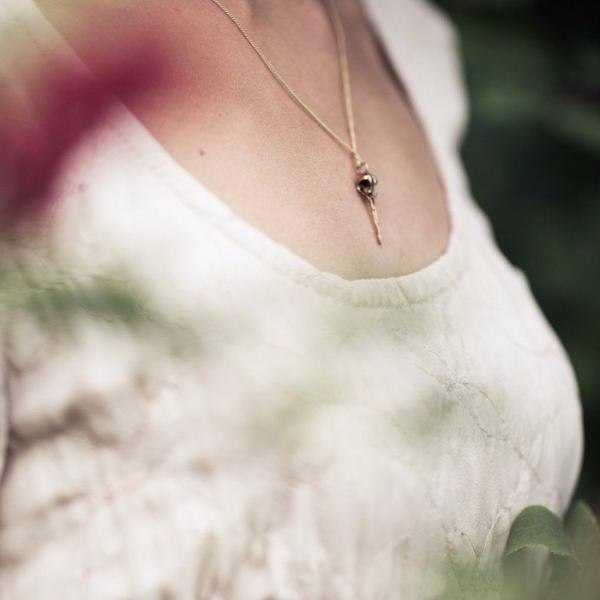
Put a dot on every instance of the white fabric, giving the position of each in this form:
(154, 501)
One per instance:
(312, 437)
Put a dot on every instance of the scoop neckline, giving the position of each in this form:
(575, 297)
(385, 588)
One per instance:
(377, 292)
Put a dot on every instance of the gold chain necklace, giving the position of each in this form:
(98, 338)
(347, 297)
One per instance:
(366, 182)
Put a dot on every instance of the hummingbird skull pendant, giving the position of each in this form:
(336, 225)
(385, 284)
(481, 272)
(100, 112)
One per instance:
(366, 186)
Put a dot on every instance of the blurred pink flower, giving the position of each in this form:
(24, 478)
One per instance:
(67, 103)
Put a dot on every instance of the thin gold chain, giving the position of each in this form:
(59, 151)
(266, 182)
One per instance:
(366, 182)
(345, 76)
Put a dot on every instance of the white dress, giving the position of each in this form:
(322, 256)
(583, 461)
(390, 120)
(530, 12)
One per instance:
(312, 437)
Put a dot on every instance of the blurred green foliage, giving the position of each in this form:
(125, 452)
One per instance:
(532, 153)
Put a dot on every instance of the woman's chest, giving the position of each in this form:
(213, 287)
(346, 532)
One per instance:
(475, 368)
(231, 125)
(363, 440)
(441, 422)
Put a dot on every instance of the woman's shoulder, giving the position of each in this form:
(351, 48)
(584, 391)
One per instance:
(425, 43)
(420, 19)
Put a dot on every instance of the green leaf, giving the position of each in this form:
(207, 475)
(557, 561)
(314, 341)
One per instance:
(529, 574)
(538, 526)
(584, 532)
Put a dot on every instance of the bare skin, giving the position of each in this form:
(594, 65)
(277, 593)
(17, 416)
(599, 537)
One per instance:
(229, 123)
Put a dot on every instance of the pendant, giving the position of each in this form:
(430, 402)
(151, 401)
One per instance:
(366, 186)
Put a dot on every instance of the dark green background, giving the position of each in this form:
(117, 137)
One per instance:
(532, 152)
